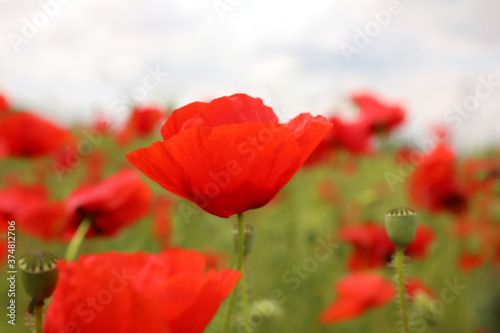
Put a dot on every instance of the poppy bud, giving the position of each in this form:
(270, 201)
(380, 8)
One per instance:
(401, 226)
(38, 274)
(248, 239)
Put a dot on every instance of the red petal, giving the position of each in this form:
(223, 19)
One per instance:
(341, 310)
(179, 117)
(235, 109)
(308, 131)
(226, 169)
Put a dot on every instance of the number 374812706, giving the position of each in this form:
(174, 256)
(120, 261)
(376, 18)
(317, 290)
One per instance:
(11, 244)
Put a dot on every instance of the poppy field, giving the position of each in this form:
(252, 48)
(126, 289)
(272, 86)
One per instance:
(217, 216)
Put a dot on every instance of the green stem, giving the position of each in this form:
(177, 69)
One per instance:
(244, 300)
(38, 315)
(77, 239)
(239, 267)
(403, 310)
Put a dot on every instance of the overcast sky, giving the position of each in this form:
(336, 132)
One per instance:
(69, 59)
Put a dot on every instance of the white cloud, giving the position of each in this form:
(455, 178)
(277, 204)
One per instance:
(284, 51)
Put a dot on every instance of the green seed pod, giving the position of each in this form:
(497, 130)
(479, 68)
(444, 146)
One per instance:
(38, 274)
(401, 226)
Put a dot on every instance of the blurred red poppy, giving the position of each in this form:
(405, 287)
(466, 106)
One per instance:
(353, 137)
(23, 134)
(215, 259)
(162, 221)
(434, 186)
(413, 286)
(419, 248)
(373, 248)
(4, 104)
(229, 155)
(330, 192)
(477, 239)
(124, 293)
(94, 165)
(112, 204)
(34, 213)
(356, 294)
(481, 175)
(143, 122)
(380, 117)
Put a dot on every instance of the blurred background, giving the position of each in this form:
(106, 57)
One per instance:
(73, 60)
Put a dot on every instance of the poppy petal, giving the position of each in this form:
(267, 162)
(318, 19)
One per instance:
(258, 159)
(176, 120)
(308, 131)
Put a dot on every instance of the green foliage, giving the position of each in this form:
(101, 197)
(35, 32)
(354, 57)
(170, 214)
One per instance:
(287, 232)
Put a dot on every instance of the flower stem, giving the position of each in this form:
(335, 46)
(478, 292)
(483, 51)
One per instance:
(77, 239)
(244, 301)
(38, 315)
(239, 267)
(403, 310)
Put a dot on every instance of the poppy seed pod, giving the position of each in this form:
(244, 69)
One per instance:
(39, 274)
(401, 226)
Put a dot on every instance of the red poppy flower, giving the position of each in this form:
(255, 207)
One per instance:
(373, 248)
(215, 259)
(13, 198)
(419, 248)
(143, 122)
(229, 155)
(34, 213)
(380, 117)
(94, 166)
(4, 104)
(356, 294)
(477, 236)
(481, 175)
(413, 286)
(124, 293)
(353, 137)
(162, 222)
(112, 204)
(330, 192)
(23, 134)
(434, 185)
(403, 155)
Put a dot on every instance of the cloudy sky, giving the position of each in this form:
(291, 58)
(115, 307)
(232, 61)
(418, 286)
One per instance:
(72, 59)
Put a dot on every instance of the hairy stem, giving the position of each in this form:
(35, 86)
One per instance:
(244, 301)
(38, 315)
(239, 267)
(403, 310)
